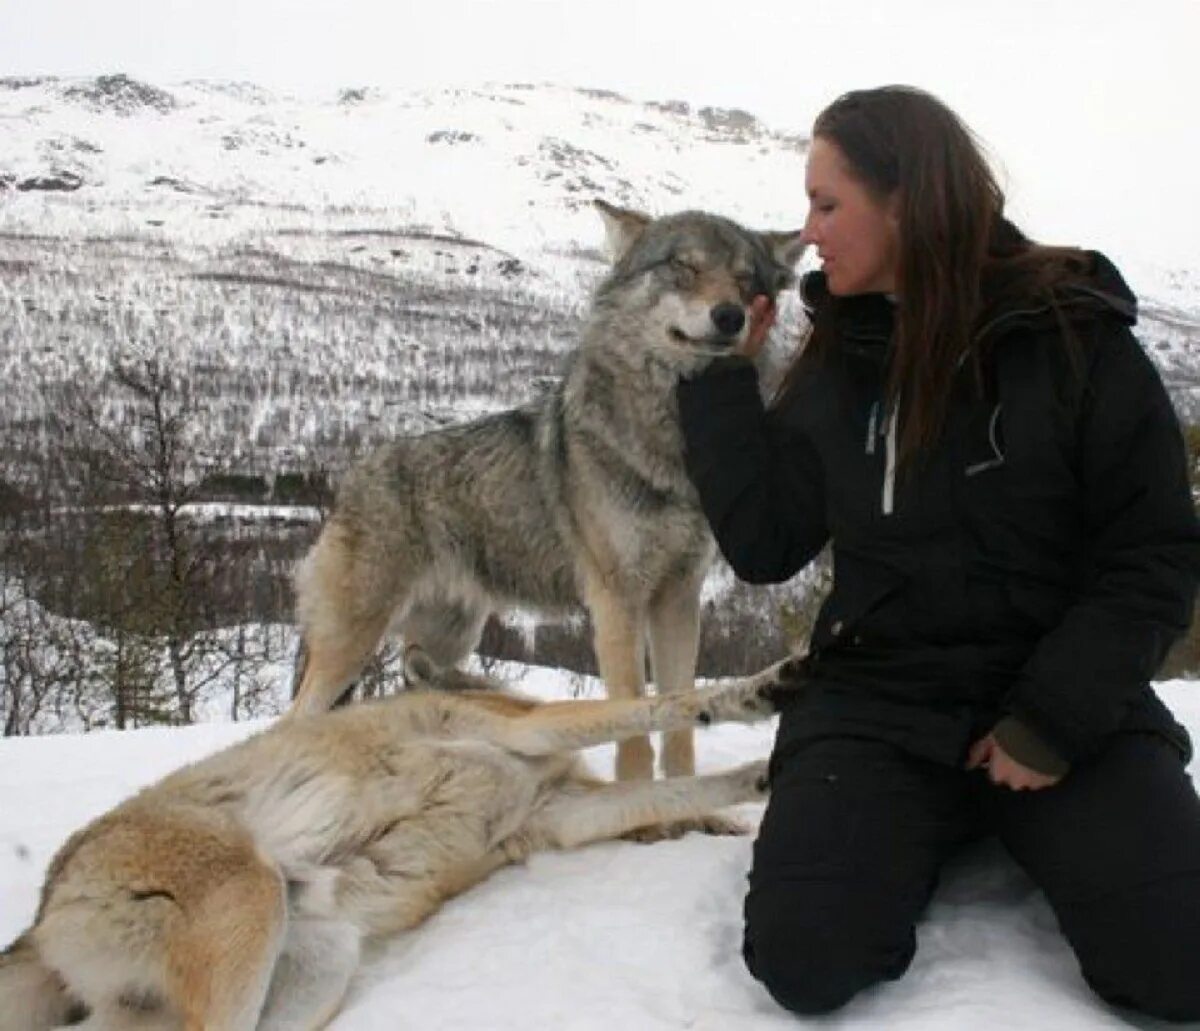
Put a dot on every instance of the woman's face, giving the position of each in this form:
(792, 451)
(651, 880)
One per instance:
(856, 234)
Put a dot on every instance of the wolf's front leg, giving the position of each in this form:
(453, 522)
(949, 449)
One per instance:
(619, 641)
(674, 624)
(614, 810)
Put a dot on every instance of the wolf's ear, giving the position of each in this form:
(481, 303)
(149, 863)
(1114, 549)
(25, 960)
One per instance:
(786, 248)
(622, 228)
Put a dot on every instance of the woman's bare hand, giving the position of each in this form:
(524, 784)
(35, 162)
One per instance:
(762, 318)
(1003, 769)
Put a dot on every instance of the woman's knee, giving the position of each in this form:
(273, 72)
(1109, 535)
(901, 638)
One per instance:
(1152, 979)
(1138, 950)
(1169, 992)
(813, 966)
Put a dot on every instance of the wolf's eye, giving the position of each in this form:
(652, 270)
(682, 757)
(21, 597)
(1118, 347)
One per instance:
(684, 271)
(747, 284)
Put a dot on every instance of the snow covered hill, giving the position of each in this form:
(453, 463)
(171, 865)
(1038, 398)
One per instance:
(617, 935)
(324, 273)
(513, 165)
(263, 233)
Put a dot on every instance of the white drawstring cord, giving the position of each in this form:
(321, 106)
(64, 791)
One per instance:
(889, 473)
(994, 440)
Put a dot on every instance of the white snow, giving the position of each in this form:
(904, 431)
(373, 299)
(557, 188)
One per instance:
(508, 170)
(513, 165)
(618, 935)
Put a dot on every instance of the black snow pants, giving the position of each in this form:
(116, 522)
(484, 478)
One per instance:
(856, 832)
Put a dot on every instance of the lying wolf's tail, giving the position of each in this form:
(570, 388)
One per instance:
(33, 995)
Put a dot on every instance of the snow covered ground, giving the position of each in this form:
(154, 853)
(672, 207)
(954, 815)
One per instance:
(271, 240)
(616, 935)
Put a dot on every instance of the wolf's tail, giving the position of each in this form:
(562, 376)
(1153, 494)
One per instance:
(33, 995)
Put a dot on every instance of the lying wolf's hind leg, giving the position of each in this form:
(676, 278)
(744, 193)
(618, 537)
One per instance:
(219, 965)
(311, 976)
(33, 996)
(168, 914)
(617, 810)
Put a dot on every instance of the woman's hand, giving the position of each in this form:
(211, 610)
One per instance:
(762, 318)
(1003, 769)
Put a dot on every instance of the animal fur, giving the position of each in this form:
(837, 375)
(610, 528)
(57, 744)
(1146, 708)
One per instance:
(236, 893)
(579, 498)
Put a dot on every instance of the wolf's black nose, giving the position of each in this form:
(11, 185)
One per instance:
(728, 318)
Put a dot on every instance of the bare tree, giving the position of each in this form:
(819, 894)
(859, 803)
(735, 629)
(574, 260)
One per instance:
(131, 460)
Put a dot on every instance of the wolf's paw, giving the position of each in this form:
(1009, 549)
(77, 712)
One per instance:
(753, 778)
(420, 672)
(754, 697)
(720, 826)
(714, 824)
(745, 700)
(782, 683)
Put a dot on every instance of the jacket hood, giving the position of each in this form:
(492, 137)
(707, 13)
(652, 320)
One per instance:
(865, 317)
(1100, 290)
(1106, 288)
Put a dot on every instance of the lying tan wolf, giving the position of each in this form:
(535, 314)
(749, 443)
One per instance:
(236, 892)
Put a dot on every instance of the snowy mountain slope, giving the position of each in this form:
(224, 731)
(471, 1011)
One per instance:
(514, 165)
(325, 274)
(639, 937)
(329, 272)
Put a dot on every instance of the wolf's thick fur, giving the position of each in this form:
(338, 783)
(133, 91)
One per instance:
(236, 892)
(578, 498)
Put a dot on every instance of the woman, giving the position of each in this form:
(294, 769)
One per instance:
(976, 431)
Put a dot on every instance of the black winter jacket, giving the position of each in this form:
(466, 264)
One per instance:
(1036, 565)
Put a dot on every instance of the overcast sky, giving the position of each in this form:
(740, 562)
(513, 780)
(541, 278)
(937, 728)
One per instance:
(1089, 107)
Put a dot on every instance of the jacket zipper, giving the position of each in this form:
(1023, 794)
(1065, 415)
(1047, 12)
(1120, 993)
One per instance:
(872, 428)
(888, 500)
(888, 430)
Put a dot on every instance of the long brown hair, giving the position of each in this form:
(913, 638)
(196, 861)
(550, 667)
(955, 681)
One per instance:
(959, 259)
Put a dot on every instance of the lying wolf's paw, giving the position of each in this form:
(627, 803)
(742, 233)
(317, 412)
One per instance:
(745, 700)
(782, 683)
(754, 697)
(753, 777)
(714, 824)
(721, 826)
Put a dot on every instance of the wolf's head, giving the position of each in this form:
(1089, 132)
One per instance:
(681, 285)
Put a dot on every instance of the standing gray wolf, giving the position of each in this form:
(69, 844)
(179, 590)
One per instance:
(236, 892)
(577, 498)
